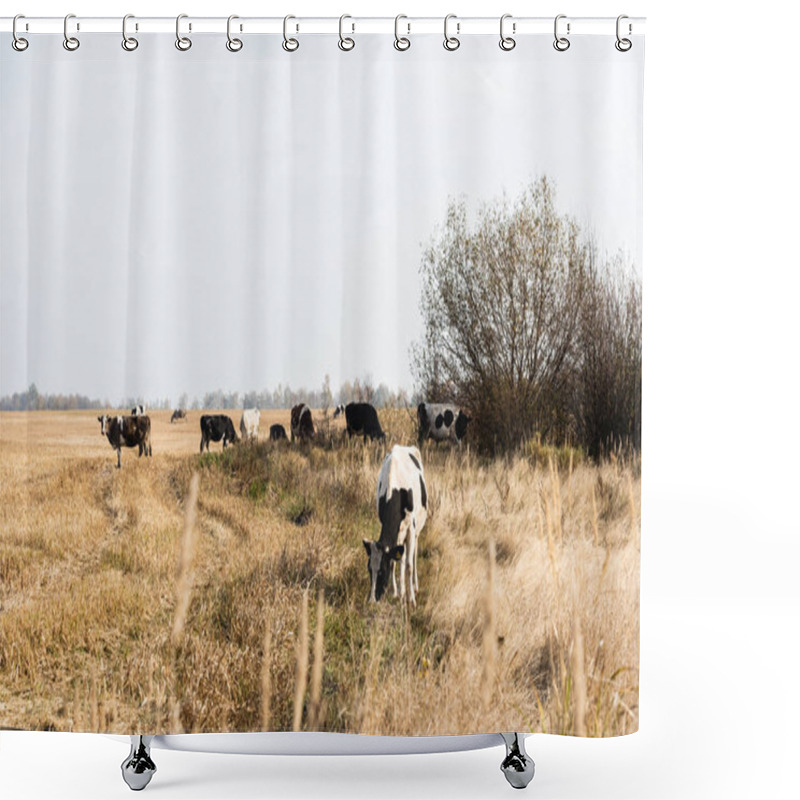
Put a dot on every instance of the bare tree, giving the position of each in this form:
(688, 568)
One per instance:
(500, 305)
(525, 329)
(609, 347)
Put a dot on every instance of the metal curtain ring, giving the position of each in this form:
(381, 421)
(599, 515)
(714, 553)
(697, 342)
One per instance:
(623, 45)
(401, 43)
(451, 42)
(70, 42)
(234, 45)
(561, 43)
(17, 42)
(128, 42)
(345, 42)
(183, 43)
(289, 45)
(506, 42)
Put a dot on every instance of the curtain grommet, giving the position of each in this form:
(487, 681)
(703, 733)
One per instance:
(182, 43)
(507, 43)
(289, 44)
(71, 43)
(451, 43)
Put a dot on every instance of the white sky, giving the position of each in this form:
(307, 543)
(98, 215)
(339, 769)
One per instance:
(191, 221)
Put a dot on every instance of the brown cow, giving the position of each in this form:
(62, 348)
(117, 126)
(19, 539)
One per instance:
(128, 431)
(302, 424)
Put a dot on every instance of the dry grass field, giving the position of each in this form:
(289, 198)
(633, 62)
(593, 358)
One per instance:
(118, 615)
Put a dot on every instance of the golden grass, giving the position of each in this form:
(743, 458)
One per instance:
(527, 617)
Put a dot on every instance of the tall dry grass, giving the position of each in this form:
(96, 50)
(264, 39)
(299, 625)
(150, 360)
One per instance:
(527, 616)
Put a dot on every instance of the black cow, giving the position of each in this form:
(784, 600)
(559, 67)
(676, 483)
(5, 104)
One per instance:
(301, 423)
(214, 427)
(362, 419)
(277, 433)
(441, 422)
(128, 431)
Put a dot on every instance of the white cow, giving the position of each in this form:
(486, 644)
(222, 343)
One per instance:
(249, 424)
(402, 508)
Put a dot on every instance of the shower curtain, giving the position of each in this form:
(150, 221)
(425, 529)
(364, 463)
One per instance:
(320, 384)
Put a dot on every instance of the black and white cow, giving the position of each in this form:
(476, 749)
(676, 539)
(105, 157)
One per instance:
(138, 411)
(178, 413)
(277, 433)
(362, 420)
(441, 422)
(214, 427)
(301, 423)
(127, 431)
(402, 510)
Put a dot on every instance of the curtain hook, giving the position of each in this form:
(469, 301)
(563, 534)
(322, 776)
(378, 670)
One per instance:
(289, 45)
(451, 42)
(345, 42)
(181, 42)
(507, 42)
(17, 42)
(401, 43)
(70, 42)
(561, 43)
(623, 45)
(129, 43)
(234, 45)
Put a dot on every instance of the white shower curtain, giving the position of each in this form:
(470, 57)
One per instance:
(207, 231)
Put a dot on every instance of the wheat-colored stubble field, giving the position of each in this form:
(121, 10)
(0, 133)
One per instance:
(116, 615)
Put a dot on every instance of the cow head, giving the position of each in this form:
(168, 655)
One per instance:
(339, 410)
(379, 566)
(103, 424)
(461, 425)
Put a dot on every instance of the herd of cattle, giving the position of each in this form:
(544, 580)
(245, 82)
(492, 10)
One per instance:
(402, 496)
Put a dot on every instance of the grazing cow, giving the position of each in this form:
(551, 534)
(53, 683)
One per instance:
(441, 422)
(138, 411)
(362, 419)
(277, 433)
(301, 423)
(249, 424)
(214, 427)
(178, 413)
(402, 509)
(132, 431)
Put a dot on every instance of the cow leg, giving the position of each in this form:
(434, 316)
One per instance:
(412, 595)
(517, 766)
(119, 458)
(202, 442)
(403, 576)
(416, 573)
(138, 768)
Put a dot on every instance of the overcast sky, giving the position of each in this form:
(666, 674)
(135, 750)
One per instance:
(191, 221)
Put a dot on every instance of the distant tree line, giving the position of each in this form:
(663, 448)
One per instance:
(32, 400)
(530, 329)
(359, 390)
